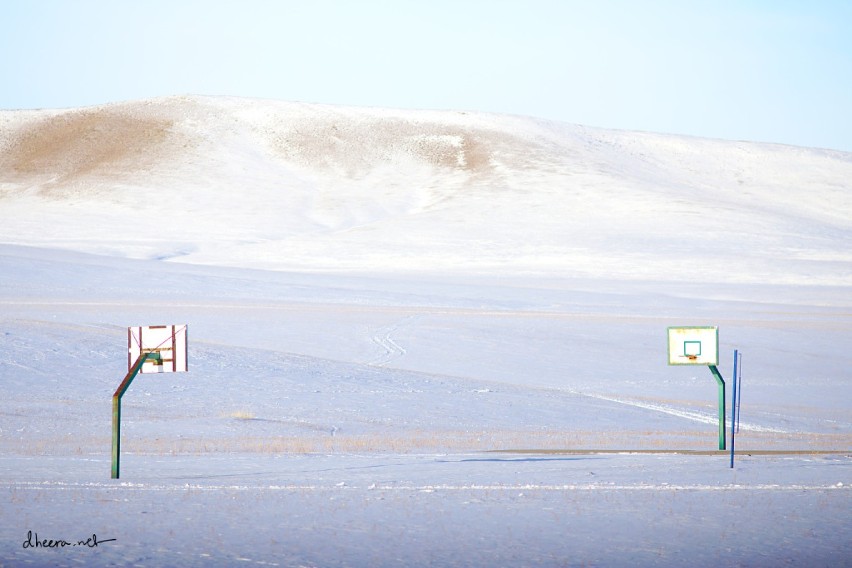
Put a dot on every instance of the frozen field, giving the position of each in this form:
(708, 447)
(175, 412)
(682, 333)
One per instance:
(436, 363)
(316, 431)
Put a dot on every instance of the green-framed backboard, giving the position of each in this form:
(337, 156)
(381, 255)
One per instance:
(696, 345)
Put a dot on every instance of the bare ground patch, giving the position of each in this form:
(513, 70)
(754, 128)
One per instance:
(354, 147)
(68, 147)
(417, 441)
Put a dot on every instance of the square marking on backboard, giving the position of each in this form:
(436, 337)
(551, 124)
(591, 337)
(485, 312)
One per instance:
(692, 348)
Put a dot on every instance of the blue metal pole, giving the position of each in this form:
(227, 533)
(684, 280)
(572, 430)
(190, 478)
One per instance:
(734, 408)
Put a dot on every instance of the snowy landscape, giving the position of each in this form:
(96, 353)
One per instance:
(417, 338)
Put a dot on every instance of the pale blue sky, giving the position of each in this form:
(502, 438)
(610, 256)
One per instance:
(761, 70)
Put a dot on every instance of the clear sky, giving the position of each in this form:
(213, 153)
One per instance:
(761, 70)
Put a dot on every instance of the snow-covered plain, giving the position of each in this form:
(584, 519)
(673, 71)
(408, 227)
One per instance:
(418, 338)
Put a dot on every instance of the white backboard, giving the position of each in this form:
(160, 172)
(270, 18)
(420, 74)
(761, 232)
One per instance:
(167, 340)
(694, 345)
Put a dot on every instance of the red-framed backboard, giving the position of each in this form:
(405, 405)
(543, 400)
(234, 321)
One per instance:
(167, 340)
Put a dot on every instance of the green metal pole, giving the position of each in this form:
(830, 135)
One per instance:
(721, 383)
(116, 433)
(116, 407)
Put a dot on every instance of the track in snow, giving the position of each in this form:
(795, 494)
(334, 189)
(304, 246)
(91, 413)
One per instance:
(383, 338)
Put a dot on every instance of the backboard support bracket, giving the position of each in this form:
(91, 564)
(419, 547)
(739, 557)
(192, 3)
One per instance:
(116, 405)
(721, 382)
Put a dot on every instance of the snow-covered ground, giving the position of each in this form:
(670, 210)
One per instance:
(417, 339)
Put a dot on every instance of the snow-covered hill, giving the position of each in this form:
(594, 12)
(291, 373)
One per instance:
(279, 185)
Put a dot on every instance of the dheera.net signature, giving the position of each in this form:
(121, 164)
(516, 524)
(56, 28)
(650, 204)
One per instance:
(33, 541)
